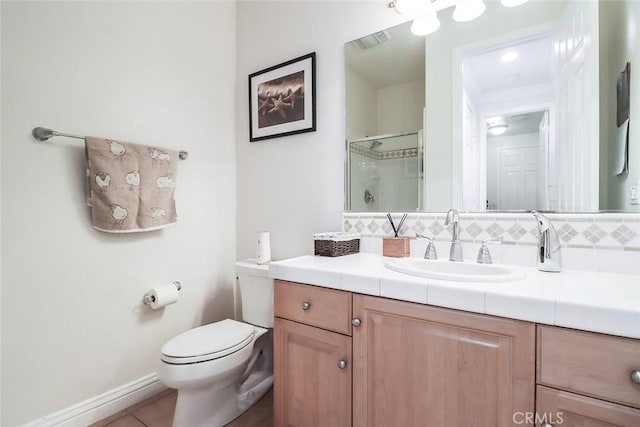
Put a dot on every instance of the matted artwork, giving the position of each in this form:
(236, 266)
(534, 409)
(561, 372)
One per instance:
(282, 99)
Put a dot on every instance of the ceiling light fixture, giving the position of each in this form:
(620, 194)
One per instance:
(467, 10)
(509, 56)
(426, 24)
(497, 129)
(424, 12)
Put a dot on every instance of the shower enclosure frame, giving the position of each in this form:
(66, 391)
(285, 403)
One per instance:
(420, 164)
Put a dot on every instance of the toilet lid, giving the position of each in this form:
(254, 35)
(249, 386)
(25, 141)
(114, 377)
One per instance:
(208, 342)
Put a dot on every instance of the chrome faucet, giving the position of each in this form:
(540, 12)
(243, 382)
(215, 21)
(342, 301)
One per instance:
(548, 244)
(455, 253)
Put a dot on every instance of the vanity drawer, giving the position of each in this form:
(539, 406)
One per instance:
(589, 363)
(563, 408)
(315, 306)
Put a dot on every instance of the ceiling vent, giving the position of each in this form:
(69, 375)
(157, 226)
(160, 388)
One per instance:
(373, 40)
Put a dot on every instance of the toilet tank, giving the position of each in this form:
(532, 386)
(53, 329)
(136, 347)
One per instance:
(256, 293)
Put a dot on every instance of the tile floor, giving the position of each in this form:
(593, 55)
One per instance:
(157, 411)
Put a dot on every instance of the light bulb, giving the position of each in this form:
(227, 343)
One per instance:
(497, 129)
(509, 56)
(425, 24)
(468, 10)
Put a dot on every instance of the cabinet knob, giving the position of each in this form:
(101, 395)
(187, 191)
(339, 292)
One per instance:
(342, 364)
(306, 305)
(546, 425)
(356, 322)
(635, 376)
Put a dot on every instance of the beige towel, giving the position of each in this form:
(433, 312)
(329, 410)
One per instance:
(131, 186)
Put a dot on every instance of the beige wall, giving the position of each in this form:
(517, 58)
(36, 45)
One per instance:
(619, 44)
(360, 111)
(400, 107)
(160, 73)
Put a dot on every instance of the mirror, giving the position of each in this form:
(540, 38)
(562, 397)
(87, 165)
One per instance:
(493, 134)
(385, 92)
(385, 172)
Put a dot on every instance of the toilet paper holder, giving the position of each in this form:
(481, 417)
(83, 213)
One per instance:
(148, 298)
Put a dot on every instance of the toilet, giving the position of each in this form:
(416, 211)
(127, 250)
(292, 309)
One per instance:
(221, 369)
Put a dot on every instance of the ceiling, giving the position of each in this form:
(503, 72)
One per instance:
(520, 123)
(490, 75)
(531, 67)
(398, 60)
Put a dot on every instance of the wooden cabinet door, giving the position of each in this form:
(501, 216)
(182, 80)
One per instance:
(311, 387)
(558, 407)
(416, 365)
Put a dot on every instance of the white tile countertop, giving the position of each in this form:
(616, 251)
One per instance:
(598, 302)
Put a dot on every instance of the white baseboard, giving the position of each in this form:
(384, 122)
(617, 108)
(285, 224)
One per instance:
(100, 407)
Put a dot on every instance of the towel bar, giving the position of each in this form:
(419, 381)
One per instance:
(43, 134)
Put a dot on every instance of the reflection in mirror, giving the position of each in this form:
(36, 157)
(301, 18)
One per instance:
(513, 146)
(385, 95)
(551, 65)
(385, 172)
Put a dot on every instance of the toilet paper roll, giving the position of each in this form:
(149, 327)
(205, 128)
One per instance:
(163, 295)
(263, 253)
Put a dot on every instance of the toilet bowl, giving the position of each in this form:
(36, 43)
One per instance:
(223, 368)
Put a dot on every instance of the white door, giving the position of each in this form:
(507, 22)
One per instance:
(575, 159)
(518, 183)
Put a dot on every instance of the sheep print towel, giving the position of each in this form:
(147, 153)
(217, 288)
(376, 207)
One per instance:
(131, 186)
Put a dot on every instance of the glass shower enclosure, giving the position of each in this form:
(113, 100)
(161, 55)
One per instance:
(384, 173)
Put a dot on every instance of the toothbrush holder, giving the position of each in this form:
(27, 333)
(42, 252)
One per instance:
(397, 247)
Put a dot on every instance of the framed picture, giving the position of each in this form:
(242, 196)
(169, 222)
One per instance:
(623, 99)
(282, 99)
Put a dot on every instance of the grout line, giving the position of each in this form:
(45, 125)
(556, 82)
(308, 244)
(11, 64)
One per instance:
(140, 421)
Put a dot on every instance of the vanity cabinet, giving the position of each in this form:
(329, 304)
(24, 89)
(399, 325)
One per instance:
(417, 365)
(557, 408)
(312, 373)
(412, 364)
(345, 359)
(312, 356)
(587, 379)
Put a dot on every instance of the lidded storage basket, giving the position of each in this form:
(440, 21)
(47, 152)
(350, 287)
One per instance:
(336, 244)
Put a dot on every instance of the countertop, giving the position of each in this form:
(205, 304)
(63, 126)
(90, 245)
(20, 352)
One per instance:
(599, 302)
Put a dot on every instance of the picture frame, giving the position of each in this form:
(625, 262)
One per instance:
(623, 102)
(282, 99)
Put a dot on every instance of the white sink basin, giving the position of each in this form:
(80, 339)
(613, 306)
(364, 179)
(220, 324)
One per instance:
(455, 271)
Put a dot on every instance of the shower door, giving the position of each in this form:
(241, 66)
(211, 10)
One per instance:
(384, 173)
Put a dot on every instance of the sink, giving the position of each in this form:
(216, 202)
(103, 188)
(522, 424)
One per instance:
(455, 271)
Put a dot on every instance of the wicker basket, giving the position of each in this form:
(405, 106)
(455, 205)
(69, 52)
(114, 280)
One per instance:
(336, 244)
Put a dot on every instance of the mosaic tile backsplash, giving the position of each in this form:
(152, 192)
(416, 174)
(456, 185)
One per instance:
(384, 155)
(594, 242)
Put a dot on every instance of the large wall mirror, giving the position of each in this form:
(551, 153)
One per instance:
(515, 110)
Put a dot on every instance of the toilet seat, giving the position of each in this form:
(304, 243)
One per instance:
(208, 342)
